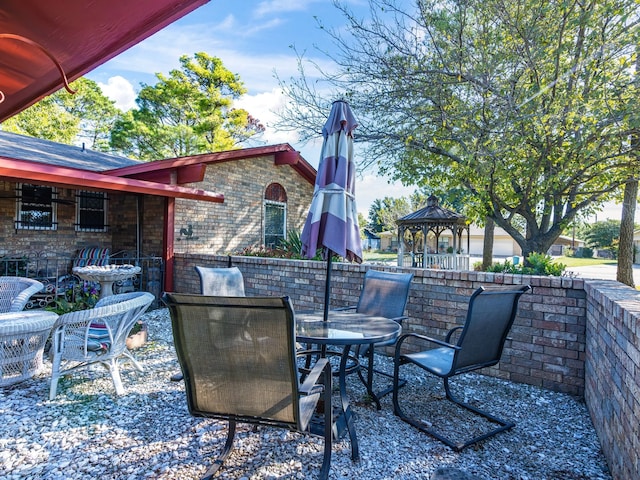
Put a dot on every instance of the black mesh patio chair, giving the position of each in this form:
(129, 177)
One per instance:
(238, 356)
(479, 344)
(383, 294)
(224, 282)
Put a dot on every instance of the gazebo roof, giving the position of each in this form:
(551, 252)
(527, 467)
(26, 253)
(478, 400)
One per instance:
(433, 214)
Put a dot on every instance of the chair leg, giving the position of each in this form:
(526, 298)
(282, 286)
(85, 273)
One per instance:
(504, 424)
(55, 376)
(132, 359)
(328, 423)
(217, 463)
(368, 383)
(115, 376)
(456, 446)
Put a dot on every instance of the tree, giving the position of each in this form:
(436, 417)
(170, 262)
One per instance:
(603, 235)
(186, 113)
(383, 213)
(624, 273)
(524, 103)
(86, 116)
(626, 253)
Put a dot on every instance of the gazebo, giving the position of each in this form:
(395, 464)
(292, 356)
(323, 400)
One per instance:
(430, 250)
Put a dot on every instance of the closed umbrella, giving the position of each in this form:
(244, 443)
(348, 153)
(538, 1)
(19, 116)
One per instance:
(332, 222)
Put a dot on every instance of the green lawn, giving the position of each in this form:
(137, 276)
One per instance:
(584, 262)
(374, 256)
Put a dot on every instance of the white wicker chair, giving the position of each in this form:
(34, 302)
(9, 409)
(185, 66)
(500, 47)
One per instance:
(97, 335)
(15, 292)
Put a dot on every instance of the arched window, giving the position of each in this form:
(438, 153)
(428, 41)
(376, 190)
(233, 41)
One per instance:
(275, 215)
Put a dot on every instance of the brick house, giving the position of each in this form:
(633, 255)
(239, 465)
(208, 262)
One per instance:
(56, 199)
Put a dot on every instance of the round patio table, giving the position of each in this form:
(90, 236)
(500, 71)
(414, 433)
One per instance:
(22, 339)
(345, 329)
(106, 275)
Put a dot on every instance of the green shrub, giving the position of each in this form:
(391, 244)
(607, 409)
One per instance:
(537, 264)
(289, 248)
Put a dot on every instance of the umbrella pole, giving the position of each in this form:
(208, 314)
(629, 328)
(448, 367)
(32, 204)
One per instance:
(327, 287)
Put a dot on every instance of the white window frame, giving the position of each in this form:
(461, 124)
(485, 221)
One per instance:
(20, 224)
(271, 203)
(79, 227)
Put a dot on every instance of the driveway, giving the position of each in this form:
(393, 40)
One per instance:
(606, 272)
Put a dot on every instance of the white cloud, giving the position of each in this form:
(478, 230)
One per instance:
(120, 90)
(281, 6)
(370, 188)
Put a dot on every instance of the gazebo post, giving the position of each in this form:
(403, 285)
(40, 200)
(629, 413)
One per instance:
(400, 246)
(424, 246)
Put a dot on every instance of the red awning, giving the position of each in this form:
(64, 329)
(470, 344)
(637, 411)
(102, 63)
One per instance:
(77, 34)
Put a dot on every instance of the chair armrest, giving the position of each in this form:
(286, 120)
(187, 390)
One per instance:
(342, 309)
(425, 338)
(310, 384)
(451, 332)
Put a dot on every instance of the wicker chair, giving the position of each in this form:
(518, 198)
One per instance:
(15, 292)
(479, 344)
(238, 356)
(97, 335)
(384, 294)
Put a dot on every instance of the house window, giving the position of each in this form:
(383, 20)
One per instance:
(91, 212)
(275, 215)
(36, 207)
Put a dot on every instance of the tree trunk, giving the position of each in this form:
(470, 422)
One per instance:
(625, 247)
(487, 247)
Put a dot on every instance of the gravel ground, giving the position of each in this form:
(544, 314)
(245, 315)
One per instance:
(148, 433)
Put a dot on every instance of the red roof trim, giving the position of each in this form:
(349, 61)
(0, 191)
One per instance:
(25, 171)
(144, 170)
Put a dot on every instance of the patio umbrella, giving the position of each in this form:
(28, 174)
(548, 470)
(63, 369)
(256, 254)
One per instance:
(332, 222)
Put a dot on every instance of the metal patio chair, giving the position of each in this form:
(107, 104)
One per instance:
(479, 344)
(238, 355)
(15, 292)
(383, 294)
(223, 282)
(97, 336)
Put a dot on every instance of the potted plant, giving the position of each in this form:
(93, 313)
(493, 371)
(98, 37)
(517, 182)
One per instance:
(138, 335)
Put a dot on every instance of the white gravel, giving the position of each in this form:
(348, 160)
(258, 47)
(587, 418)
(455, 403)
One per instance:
(88, 432)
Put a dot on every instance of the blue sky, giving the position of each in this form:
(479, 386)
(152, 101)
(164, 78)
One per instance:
(253, 39)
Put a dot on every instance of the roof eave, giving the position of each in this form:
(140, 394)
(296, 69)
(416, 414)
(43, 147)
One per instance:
(162, 170)
(34, 172)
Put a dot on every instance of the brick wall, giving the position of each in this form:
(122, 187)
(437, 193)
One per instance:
(64, 240)
(570, 335)
(612, 389)
(237, 223)
(547, 340)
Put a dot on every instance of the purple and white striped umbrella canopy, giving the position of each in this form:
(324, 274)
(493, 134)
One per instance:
(332, 222)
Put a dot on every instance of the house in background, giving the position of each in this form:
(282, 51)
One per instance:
(371, 240)
(56, 199)
(503, 245)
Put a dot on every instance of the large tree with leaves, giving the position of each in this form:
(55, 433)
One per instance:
(525, 103)
(85, 116)
(190, 111)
